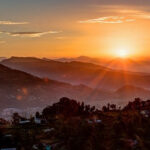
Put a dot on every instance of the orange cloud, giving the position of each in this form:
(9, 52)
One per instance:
(30, 34)
(12, 23)
(108, 19)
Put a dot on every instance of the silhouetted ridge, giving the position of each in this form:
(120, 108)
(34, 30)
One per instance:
(74, 72)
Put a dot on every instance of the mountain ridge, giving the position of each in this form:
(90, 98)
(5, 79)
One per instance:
(75, 73)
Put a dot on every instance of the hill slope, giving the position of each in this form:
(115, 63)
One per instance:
(21, 90)
(131, 92)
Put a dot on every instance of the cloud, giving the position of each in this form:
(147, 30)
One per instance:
(30, 34)
(108, 19)
(138, 14)
(142, 15)
(12, 23)
(114, 14)
(60, 38)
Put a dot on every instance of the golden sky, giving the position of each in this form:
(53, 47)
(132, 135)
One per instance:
(63, 28)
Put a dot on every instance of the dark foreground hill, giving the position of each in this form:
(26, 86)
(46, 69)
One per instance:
(71, 125)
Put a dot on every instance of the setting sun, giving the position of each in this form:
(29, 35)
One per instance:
(122, 53)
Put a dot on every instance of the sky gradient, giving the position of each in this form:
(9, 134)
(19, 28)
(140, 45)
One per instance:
(68, 28)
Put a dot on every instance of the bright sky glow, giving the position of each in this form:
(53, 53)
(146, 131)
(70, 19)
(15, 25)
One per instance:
(68, 28)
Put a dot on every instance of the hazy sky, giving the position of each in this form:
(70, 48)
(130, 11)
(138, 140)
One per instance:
(61, 28)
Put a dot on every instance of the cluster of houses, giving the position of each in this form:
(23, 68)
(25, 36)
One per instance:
(28, 121)
(145, 113)
(8, 142)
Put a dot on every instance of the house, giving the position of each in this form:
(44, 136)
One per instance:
(94, 121)
(145, 113)
(35, 147)
(8, 135)
(43, 145)
(8, 148)
(49, 130)
(98, 121)
(22, 122)
(90, 121)
(37, 120)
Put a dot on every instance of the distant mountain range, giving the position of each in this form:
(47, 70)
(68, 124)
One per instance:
(80, 58)
(131, 92)
(2, 58)
(91, 75)
(125, 64)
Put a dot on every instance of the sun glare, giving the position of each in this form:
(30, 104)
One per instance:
(122, 53)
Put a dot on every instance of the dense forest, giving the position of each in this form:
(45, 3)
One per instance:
(72, 125)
